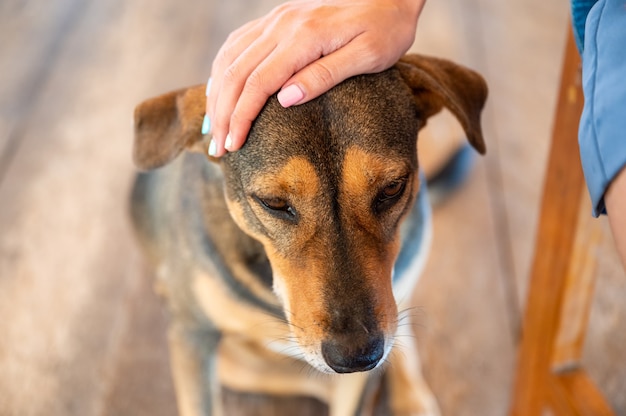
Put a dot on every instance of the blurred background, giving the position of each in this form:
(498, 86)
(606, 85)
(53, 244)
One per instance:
(81, 332)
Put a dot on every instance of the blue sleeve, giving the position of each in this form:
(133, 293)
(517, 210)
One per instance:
(580, 10)
(602, 131)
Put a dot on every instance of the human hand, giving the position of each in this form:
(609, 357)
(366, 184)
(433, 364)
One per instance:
(304, 48)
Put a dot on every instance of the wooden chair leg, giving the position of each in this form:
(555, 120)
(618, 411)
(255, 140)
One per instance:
(549, 374)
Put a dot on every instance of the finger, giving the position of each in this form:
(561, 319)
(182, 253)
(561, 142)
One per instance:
(239, 41)
(357, 57)
(241, 73)
(257, 74)
(228, 80)
(235, 71)
(236, 43)
(279, 67)
(259, 87)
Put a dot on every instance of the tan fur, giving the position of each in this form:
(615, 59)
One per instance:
(214, 298)
(248, 365)
(378, 261)
(296, 276)
(298, 181)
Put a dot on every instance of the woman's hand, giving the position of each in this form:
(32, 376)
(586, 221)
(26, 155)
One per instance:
(302, 48)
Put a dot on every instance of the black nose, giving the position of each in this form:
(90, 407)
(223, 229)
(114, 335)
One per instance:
(349, 355)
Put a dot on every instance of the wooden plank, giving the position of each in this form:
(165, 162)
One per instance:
(579, 289)
(31, 35)
(554, 247)
(261, 405)
(574, 394)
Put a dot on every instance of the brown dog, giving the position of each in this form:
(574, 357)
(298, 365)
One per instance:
(300, 247)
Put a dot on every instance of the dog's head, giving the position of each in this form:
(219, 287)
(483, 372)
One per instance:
(324, 186)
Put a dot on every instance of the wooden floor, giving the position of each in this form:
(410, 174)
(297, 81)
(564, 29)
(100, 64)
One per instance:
(81, 332)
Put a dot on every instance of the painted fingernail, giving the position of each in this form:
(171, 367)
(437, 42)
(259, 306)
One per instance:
(228, 143)
(290, 95)
(212, 148)
(206, 124)
(208, 87)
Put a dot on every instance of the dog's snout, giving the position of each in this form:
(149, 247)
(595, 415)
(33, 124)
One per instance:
(349, 356)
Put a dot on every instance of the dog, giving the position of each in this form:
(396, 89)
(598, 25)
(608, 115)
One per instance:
(285, 264)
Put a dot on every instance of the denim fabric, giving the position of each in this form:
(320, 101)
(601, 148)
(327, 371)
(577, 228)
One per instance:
(602, 132)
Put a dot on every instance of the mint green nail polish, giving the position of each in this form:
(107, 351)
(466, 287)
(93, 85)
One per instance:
(206, 124)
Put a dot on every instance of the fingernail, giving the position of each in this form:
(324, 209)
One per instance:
(290, 95)
(208, 87)
(212, 148)
(228, 142)
(206, 124)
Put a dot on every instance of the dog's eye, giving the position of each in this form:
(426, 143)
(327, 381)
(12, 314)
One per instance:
(389, 195)
(278, 207)
(275, 204)
(393, 189)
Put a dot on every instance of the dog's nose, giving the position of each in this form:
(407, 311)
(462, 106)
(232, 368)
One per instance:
(347, 356)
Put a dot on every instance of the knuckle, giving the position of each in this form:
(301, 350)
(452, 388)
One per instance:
(255, 81)
(227, 53)
(285, 12)
(323, 75)
(377, 63)
(231, 73)
(375, 55)
(309, 27)
(290, 19)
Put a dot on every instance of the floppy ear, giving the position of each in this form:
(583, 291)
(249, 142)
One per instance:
(167, 124)
(438, 83)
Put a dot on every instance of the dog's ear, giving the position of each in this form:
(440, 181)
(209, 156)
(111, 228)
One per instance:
(167, 124)
(438, 83)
